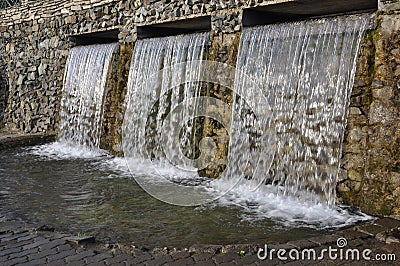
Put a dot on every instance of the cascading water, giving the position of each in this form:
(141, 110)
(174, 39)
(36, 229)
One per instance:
(156, 96)
(82, 101)
(294, 81)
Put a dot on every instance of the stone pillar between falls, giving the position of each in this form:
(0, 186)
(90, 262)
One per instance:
(225, 37)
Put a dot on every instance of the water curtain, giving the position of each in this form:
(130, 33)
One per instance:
(85, 81)
(159, 97)
(293, 86)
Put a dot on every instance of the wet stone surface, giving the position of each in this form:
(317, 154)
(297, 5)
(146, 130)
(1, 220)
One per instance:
(22, 245)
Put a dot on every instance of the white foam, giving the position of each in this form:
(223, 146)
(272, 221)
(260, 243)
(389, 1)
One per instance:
(160, 171)
(63, 150)
(266, 202)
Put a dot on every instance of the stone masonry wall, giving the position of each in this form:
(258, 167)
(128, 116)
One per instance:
(3, 85)
(35, 38)
(371, 176)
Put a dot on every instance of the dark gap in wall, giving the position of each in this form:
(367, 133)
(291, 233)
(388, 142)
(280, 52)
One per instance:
(304, 9)
(95, 37)
(185, 26)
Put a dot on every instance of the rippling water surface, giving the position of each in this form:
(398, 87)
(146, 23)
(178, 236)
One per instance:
(98, 196)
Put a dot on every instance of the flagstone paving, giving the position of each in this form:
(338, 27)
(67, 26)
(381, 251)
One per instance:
(21, 244)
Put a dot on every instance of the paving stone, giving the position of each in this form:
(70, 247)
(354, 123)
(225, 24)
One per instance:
(180, 255)
(119, 264)
(248, 259)
(37, 242)
(15, 236)
(138, 260)
(10, 251)
(23, 253)
(351, 234)
(80, 262)
(324, 240)
(355, 243)
(227, 257)
(182, 262)
(42, 254)
(141, 255)
(79, 256)
(205, 263)
(160, 260)
(98, 257)
(392, 247)
(99, 263)
(41, 261)
(294, 263)
(51, 244)
(61, 255)
(302, 244)
(64, 247)
(117, 259)
(5, 236)
(371, 229)
(15, 261)
(3, 258)
(61, 262)
(23, 238)
(388, 223)
(19, 244)
(202, 257)
(228, 263)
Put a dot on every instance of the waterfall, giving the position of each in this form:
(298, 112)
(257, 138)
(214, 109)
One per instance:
(159, 97)
(85, 80)
(293, 82)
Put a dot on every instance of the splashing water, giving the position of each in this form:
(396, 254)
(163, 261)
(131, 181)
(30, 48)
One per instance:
(85, 80)
(294, 81)
(159, 97)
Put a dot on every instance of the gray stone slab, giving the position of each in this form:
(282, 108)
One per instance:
(388, 223)
(325, 239)
(117, 259)
(42, 254)
(52, 244)
(23, 253)
(302, 244)
(79, 256)
(371, 229)
(61, 255)
(98, 257)
(37, 242)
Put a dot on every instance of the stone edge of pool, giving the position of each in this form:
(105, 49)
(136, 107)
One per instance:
(10, 140)
(21, 244)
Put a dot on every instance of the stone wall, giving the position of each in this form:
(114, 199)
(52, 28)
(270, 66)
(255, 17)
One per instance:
(36, 38)
(3, 85)
(36, 44)
(372, 151)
